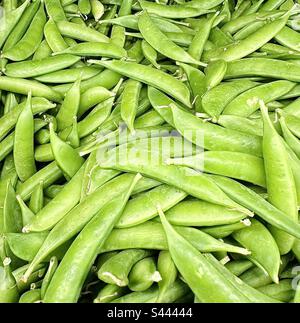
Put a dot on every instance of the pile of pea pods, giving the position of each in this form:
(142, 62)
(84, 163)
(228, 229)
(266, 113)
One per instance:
(149, 151)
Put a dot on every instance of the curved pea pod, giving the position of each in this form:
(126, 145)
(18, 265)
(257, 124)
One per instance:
(36, 67)
(109, 293)
(282, 291)
(8, 287)
(194, 212)
(150, 54)
(138, 237)
(214, 73)
(241, 166)
(28, 44)
(117, 268)
(65, 156)
(37, 198)
(248, 198)
(27, 214)
(143, 207)
(238, 267)
(264, 250)
(250, 44)
(31, 296)
(143, 274)
(96, 49)
(280, 180)
(69, 107)
(96, 232)
(10, 20)
(151, 76)
(160, 42)
(24, 143)
(211, 287)
(216, 99)
(53, 264)
(248, 102)
(167, 271)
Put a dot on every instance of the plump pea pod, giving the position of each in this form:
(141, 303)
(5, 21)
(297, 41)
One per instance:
(109, 293)
(69, 107)
(10, 20)
(211, 287)
(280, 180)
(250, 44)
(241, 166)
(34, 68)
(129, 102)
(282, 291)
(143, 274)
(53, 37)
(80, 32)
(151, 76)
(23, 143)
(194, 212)
(143, 207)
(103, 258)
(96, 233)
(177, 290)
(53, 264)
(23, 86)
(96, 49)
(8, 287)
(31, 296)
(65, 156)
(271, 68)
(43, 51)
(116, 269)
(289, 137)
(238, 267)
(28, 44)
(36, 202)
(214, 73)
(257, 204)
(266, 254)
(43, 153)
(27, 214)
(168, 273)
(55, 10)
(248, 102)
(160, 42)
(216, 99)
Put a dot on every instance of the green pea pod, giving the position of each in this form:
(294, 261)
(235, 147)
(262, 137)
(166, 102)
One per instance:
(149, 119)
(65, 156)
(37, 199)
(238, 267)
(214, 73)
(73, 137)
(168, 273)
(282, 291)
(97, 9)
(225, 230)
(31, 296)
(104, 257)
(9, 170)
(267, 254)
(43, 51)
(53, 264)
(118, 36)
(288, 38)
(116, 269)
(28, 44)
(23, 142)
(53, 190)
(109, 14)
(150, 54)
(53, 37)
(8, 287)
(27, 214)
(280, 180)
(10, 21)
(90, 238)
(55, 10)
(109, 293)
(69, 107)
(143, 274)
(84, 6)
(211, 287)
(10, 103)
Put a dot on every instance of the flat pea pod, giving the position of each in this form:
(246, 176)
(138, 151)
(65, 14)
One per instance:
(215, 100)
(96, 233)
(288, 38)
(280, 180)
(238, 267)
(31, 296)
(117, 268)
(23, 143)
(248, 102)
(10, 21)
(23, 86)
(221, 290)
(264, 254)
(39, 67)
(109, 293)
(28, 44)
(151, 76)
(150, 54)
(65, 156)
(143, 207)
(96, 49)
(84, 33)
(214, 73)
(8, 287)
(53, 37)
(69, 107)
(257, 204)
(271, 68)
(160, 42)
(143, 274)
(36, 202)
(129, 103)
(55, 10)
